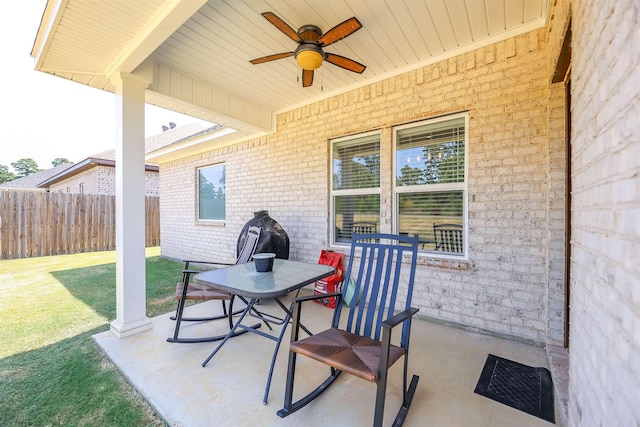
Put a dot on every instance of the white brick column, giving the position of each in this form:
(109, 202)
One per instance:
(130, 213)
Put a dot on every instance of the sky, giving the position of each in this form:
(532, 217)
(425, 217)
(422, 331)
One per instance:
(44, 117)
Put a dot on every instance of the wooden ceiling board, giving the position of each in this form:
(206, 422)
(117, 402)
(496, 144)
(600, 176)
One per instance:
(295, 14)
(409, 27)
(534, 9)
(444, 26)
(375, 39)
(514, 13)
(219, 74)
(221, 63)
(427, 27)
(459, 18)
(478, 20)
(109, 28)
(254, 44)
(496, 14)
(391, 38)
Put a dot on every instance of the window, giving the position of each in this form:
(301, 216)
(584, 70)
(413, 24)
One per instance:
(212, 193)
(355, 190)
(430, 183)
(81, 188)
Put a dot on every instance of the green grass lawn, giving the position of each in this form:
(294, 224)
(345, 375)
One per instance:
(51, 371)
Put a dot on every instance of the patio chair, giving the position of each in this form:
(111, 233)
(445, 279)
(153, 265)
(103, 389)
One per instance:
(187, 290)
(448, 237)
(361, 345)
(364, 227)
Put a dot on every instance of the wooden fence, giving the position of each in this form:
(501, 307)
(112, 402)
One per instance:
(40, 224)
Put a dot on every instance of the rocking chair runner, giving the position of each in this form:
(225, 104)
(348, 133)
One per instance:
(357, 346)
(193, 291)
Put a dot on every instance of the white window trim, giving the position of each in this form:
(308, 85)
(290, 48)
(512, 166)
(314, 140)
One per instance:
(197, 194)
(355, 192)
(440, 187)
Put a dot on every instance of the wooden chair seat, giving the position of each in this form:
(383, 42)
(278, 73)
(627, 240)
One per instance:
(348, 352)
(200, 293)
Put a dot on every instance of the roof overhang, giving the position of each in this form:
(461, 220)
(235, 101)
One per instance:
(197, 52)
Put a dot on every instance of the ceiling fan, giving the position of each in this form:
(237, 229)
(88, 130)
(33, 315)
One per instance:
(310, 53)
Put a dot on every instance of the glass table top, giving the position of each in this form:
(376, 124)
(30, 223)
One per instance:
(244, 280)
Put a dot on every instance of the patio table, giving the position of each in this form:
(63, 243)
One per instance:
(250, 286)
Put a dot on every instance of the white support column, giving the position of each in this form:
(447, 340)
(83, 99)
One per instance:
(130, 213)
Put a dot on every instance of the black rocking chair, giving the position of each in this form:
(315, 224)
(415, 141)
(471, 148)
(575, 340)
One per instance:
(361, 346)
(193, 291)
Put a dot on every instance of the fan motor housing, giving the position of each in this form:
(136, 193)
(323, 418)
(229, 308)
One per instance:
(309, 33)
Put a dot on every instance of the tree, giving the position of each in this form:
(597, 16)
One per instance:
(60, 161)
(25, 167)
(5, 175)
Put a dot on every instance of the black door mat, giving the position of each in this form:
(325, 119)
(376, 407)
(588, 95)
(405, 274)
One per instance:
(519, 386)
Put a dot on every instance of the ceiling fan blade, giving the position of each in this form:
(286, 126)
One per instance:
(346, 63)
(271, 58)
(307, 78)
(340, 31)
(282, 26)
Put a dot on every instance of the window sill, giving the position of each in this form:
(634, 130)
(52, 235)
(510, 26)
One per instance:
(424, 259)
(445, 263)
(211, 223)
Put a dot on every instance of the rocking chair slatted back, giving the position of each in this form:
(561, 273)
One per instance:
(249, 248)
(377, 275)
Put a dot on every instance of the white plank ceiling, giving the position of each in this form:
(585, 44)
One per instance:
(215, 44)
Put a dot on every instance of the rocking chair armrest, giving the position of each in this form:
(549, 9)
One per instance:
(297, 311)
(316, 296)
(190, 261)
(399, 318)
(191, 271)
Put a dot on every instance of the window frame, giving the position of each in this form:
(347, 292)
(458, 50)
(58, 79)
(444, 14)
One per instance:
(197, 194)
(433, 188)
(351, 192)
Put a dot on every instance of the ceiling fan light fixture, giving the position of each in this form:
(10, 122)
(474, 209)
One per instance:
(309, 57)
(310, 53)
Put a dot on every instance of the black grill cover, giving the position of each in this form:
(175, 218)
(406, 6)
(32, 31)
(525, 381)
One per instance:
(273, 238)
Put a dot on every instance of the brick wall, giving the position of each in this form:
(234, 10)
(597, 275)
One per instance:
(505, 89)
(605, 283)
(556, 250)
(88, 179)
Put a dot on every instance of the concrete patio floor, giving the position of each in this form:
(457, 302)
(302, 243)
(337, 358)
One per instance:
(229, 390)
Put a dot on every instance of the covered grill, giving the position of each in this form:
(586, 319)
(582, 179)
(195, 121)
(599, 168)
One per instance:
(273, 238)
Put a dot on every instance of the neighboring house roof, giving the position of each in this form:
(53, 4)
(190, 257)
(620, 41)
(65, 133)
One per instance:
(163, 147)
(108, 158)
(171, 136)
(30, 182)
